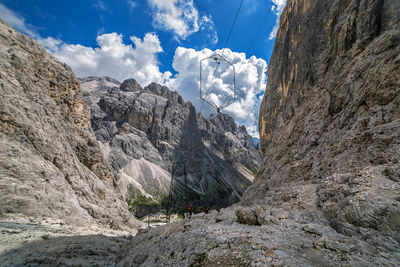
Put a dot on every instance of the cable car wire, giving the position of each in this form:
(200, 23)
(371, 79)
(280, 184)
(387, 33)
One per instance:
(233, 25)
(222, 53)
(226, 42)
(252, 43)
(255, 37)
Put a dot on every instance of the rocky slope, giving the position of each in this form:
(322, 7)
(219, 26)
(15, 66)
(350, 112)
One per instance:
(144, 130)
(51, 166)
(327, 193)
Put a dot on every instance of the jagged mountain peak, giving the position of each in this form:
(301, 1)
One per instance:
(130, 85)
(225, 121)
(161, 90)
(164, 129)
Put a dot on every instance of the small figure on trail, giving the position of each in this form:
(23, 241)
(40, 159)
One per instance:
(190, 211)
(206, 209)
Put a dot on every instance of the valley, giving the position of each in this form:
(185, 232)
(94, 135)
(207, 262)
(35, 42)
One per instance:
(100, 172)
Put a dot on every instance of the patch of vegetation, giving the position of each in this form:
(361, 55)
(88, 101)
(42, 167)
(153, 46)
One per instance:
(198, 260)
(136, 199)
(145, 201)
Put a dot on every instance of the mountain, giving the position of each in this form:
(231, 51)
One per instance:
(143, 131)
(327, 192)
(51, 166)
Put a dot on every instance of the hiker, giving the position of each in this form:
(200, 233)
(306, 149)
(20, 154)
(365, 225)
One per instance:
(190, 211)
(206, 209)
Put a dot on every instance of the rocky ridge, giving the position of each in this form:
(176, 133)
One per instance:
(327, 193)
(144, 130)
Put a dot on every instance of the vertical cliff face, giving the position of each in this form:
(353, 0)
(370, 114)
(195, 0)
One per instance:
(50, 162)
(330, 118)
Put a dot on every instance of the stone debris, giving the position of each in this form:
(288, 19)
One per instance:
(236, 244)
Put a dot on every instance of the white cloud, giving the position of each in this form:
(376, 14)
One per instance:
(113, 57)
(100, 5)
(250, 83)
(180, 17)
(132, 4)
(207, 24)
(277, 9)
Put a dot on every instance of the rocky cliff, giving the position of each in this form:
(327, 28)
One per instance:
(327, 193)
(330, 118)
(144, 130)
(51, 166)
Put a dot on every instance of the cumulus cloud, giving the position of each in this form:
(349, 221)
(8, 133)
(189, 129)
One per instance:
(113, 57)
(250, 83)
(180, 17)
(277, 9)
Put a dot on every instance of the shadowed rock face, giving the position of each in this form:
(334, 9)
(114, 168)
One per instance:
(50, 161)
(143, 131)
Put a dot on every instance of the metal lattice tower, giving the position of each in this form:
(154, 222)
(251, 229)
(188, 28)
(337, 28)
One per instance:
(171, 200)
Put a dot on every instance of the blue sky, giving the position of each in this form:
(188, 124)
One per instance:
(158, 40)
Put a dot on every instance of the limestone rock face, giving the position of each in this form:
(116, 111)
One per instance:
(331, 112)
(144, 130)
(50, 161)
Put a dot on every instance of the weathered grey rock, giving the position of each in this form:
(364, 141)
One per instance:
(143, 131)
(214, 239)
(130, 85)
(50, 161)
(331, 112)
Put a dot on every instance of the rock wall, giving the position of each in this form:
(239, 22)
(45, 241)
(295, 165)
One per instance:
(330, 117)
(50, 162)
(144, 130)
